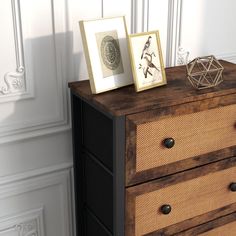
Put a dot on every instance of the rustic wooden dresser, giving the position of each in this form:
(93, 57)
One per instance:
(158, 162)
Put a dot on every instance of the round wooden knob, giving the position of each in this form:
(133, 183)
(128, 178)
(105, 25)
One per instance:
(169, 142)
(232, 187)
(165, 209)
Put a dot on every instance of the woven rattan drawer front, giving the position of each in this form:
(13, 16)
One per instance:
(195, 134)
(226, 230)
(187, 199)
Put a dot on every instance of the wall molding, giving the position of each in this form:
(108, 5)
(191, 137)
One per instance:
(33, 128)
(16, 85)
(227, 56)
(35, 180)
(102, 8)
(139, 16)
(133, 16)
(176, 54)
(36, 129)
(145, 15)
(35, 173)
(28, 223)
(174, 31)
(140, 23)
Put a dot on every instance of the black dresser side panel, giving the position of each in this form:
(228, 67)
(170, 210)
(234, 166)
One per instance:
(98, 191)
(93, 226)
(97, 135)
(76, 109)
(99, 150)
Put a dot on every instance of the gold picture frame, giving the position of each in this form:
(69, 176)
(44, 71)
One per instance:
(146, 60)
(106, 52)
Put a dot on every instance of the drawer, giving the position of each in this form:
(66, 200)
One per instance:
(189, 194)
(225, 225)
(194, 130)
(228, 229)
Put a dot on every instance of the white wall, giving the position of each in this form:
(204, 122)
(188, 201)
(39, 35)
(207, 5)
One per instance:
(35, 137)
(207, 27)
(41, 50)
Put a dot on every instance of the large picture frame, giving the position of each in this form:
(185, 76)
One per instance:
(146, 60)
(106, 52)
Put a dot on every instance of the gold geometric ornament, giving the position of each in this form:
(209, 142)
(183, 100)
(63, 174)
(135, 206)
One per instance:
(205, 72)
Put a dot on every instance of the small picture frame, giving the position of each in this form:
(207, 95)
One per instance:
(146, 60)
(106, 51)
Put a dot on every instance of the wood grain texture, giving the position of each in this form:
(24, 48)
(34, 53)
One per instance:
(199, 129)
(225, 225)
(178, 90)
(229, 230)
(187, 199)
(192, 193)
(194, 134)
(180, 166)
(199, 224)
(181, 179)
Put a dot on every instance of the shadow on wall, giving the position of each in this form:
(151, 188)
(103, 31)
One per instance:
(53, 56)
(49, 65)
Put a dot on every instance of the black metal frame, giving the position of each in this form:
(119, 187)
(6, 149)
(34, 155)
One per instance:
(76, 110)
(118, 167)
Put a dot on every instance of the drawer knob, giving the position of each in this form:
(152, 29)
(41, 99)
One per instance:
(166, 209)
(232, 187)
(169, 142)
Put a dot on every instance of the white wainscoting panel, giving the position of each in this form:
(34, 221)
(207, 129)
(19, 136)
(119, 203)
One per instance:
(41, 50)
(80, 10)
(14, 85)
(140, 11)
(35, 153)
(158, 20)
(228, 57)
(113, 8)
(30, 223)
(37, 201)
(164, 16)
(43, 31)
(208, 28)
(173, 32)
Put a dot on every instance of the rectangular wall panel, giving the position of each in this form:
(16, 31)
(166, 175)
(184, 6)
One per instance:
(7, 45)
(207, 27)
(158, 20)
(80, 10)
(36, 203)
(113, 8)
(13, 84)
(39, 35)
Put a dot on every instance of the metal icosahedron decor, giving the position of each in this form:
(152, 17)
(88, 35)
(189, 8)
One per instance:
(205, 72)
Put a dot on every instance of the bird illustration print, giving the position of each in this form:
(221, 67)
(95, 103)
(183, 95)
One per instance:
(147, 64)
(146, 46)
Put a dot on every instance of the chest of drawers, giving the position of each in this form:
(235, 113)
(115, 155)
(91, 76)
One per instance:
(159, 162)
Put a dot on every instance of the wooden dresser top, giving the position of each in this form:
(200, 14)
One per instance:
(125, 101)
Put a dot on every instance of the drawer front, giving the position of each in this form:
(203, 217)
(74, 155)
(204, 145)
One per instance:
(187, 199)
(227, 230)
(194, 134)
(223, 226)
